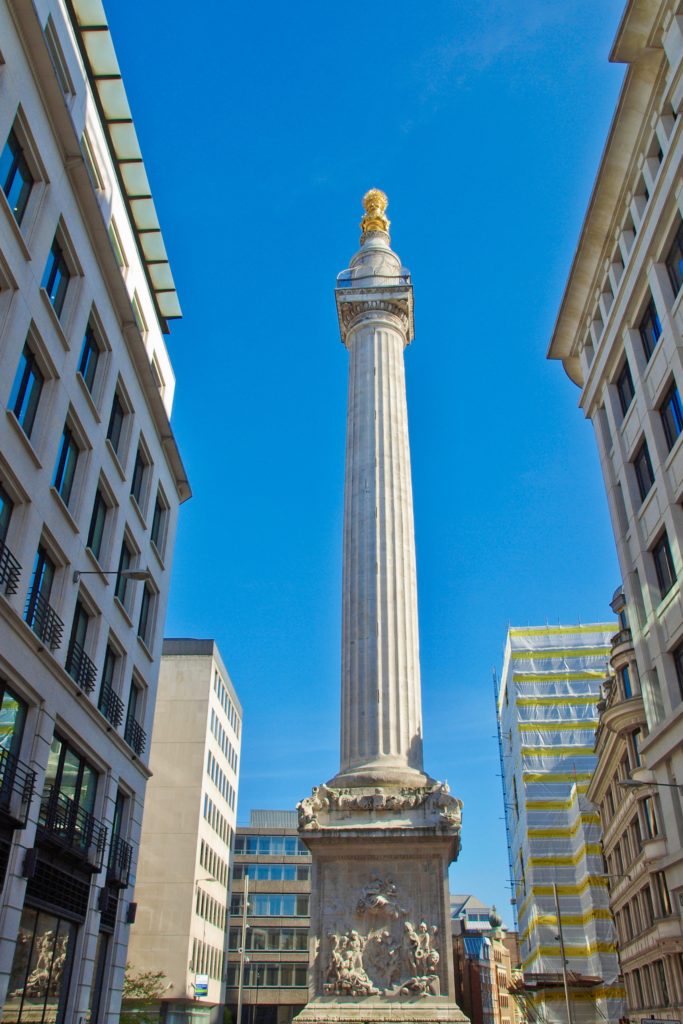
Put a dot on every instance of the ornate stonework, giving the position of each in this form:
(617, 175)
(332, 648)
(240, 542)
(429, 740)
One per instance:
(328, 805)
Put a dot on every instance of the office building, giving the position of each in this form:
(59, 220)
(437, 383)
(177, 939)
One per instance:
(485, 974)
(90, 485)
(619, 334)
(187, 832)
(278, 866)
(547, 709)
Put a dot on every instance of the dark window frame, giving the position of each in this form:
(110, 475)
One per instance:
(664, 564)
(625, 387)
(56, 276)
(671, 412)
(642, 465)
(28, 386)
(67, 462)
(650, 328)
(674, 260)
(90, 355)
(15, 165)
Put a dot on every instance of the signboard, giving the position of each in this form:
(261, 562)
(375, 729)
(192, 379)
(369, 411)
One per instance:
(657, 1020)
(201, 987)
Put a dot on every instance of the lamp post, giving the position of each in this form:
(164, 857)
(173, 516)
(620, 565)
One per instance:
(644, 784)
(126, 574)
(240, 984)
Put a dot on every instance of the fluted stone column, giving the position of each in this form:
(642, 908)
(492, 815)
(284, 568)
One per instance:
(381, 719)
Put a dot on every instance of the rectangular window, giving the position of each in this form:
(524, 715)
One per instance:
(56, 277)
(625, 389)
(115, 239)
(650, 817)
(90, 353)
(663, 895)
(664, 564)
(66, 466)
(15, 177)
(644, 473)
(674, 260)
(41, 971)
(671, 411)
(116, 419)
(626, 682)
(146, 614)
(6, 507)
(26, 390)
(650, 329)
(158, 532)
(97, 524)
(677, 655)
(38, 611)
(138, 481)
(137, 313)
(91, 163)
(122, 582)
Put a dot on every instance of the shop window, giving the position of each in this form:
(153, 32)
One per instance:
(41, 969)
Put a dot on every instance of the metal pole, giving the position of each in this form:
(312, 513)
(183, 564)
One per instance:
(245, 901)
(570, 1019)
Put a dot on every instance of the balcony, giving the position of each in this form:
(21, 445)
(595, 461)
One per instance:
(134, 735)
(118, 865)
(80, 667)
(622, 645)
(111, 705)
(43, 620)
(64, 824)
(17, 782)
(10, 570)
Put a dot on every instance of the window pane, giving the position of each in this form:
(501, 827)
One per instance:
(15, 176)
(671, 411)
(25, 395)
(56, 277)
(115, 423)
(674, 261)
(89, 357)
(650, 329)
(625, 388)
(6, 507)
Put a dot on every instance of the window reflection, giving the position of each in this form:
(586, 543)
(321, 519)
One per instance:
(40, 972)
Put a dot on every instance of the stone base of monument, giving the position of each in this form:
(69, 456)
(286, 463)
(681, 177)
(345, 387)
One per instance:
(381, 947)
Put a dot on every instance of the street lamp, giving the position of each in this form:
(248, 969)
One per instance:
(240, 984)
(126, 574)
(643, 783)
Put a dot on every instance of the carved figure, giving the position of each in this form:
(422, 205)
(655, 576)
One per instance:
(345, 971)
(380, 898)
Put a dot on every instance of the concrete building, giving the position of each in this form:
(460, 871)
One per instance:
(619, 334)
(278, 865)
(90, 485)
(187, 831)
(547, 708)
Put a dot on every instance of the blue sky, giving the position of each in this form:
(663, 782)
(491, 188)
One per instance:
(262, 126)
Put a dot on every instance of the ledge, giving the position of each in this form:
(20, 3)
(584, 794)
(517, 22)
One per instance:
(56, 322)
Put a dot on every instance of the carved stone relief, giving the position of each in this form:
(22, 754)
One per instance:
(436, 800)
(389, 957)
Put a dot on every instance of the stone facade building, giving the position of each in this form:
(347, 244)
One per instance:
(188, 830)
(90, 485)
(483, 964)
(278, 866)
(619, 334)
(547, 709)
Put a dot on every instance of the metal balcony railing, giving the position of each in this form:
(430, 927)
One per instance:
(17, 783)
(64, 823)
(10, 570)
(111, 705)
(118, 865)
(43, 620)
(80, 667)
(134, 735)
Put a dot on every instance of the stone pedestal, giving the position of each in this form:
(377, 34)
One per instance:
(381, 947)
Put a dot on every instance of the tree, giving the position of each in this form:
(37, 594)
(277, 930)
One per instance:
(142, 992)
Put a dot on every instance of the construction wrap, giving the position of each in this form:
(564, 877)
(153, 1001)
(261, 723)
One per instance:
(547, 711)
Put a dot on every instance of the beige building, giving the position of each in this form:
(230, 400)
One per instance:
(90, 484)
(187, 831)
(269, 852)
(619, 334)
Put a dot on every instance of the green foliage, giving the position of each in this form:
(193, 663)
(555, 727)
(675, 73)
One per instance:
(142, 991)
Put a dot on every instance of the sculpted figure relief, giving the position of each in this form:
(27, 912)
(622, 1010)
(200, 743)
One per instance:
(390, 959)
(437, 801)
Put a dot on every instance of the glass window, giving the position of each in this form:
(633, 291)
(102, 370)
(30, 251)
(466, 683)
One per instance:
(26, 390)
(6, 507)
(674, 260)
(664, 564)
(97, 524)
(41, 588)
(626, 682)
(663, 896)
(677, 656)
(12, 718)
(650, 329)
(66, 465)
(644, 473)
(122, 582)
(146, 614)
(56, 277)
(625, 389)
(41, 969)
(158, 532)
(70, 775)
(90, 354)
(136, 487)
(661, 979)
(116, 423)
(15, 176)
(671, 411)
(650, 817)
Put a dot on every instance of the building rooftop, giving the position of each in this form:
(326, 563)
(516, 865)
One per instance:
(273, 819)
(97, 50)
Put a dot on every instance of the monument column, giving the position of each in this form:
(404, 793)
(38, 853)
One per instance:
(382, 833)
(381, 726)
